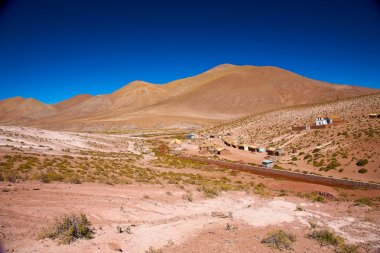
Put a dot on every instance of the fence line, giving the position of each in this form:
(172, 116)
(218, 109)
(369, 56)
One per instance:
(291, 175)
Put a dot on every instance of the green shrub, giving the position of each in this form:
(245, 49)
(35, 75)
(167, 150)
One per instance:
(279, 240)
(51, 176)
(332, 165)
(67, 229)
(316, 198)
(362, 162)
(210, 191)
(307, 156)
(364, 201)
(325, 237)
(363, 170)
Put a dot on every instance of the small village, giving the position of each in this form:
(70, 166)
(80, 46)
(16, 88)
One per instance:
(226, 147)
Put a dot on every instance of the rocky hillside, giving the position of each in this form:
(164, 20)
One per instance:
(341, 150)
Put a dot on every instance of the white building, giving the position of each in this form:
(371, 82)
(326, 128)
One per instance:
(323, 121)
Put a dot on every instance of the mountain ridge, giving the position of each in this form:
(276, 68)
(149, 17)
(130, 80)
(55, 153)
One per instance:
(221, 93)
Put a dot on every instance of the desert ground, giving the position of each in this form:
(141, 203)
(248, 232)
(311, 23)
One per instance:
(140, 198)
(159, 217)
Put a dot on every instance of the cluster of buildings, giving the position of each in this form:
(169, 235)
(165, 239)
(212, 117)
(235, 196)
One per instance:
(215, 147)
(374, 115)
(252, 148)
(212, 148)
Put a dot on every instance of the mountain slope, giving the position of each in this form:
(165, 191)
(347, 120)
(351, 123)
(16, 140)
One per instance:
(20, 109)
(222, 93)
(316, 151)
(71, 102)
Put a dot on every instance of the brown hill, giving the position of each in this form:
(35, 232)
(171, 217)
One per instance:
(229, 91)
(224, 92)
(71, 102)
(20, 109)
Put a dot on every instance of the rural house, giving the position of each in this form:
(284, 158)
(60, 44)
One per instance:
(252, 148)
(267, 164)
(271, 151)
(320, 121)
(222, 151)
(261, 150)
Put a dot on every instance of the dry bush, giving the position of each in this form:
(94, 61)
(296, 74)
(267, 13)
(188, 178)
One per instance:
(68, 229)
(279, 240)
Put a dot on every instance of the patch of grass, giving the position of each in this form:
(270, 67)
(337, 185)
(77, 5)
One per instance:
(348, 248)
(153, 250)
(332, 165)
(210, 191)
(325, 237)
(74, 180)
(313, 224)
(362, 162)
(68, 229)
(278, 167)
(279, 240)
(283, 192)
(260, 189)
(364, 201)
(316, 198)
(188, 196)
(5, 190)
(307, 156)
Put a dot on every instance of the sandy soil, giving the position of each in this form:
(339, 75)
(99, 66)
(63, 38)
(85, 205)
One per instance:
(59, 142)
(160, 218)
(157, 213)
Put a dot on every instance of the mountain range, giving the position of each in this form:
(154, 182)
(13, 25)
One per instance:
(221, 93)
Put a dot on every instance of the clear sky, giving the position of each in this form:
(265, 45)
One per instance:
(54, 49)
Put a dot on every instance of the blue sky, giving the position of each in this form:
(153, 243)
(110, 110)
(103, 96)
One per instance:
(54, 49)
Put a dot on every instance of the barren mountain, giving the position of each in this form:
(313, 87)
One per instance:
(22, 110)
(68, 103)
(222, 93)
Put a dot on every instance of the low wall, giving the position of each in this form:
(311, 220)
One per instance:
(319, 127)
(299, 128)
(295, 176)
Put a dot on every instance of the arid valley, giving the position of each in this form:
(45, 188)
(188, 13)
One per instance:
(206, 164)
